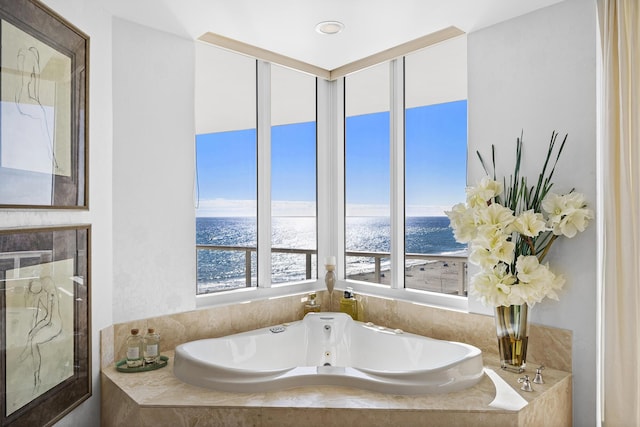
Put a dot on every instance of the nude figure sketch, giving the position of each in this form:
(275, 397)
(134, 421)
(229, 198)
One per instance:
(41, 295)
(28, 93)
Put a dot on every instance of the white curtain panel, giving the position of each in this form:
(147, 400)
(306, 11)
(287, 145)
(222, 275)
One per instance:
(619, 30)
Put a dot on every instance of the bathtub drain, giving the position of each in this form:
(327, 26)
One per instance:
(327, 364)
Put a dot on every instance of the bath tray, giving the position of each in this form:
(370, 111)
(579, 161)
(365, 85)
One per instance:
(122, 365)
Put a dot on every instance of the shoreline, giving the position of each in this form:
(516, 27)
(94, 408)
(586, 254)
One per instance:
(435, 276)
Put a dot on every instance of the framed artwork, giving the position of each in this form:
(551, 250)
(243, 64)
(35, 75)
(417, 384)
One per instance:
(43, 108)
(44, 323)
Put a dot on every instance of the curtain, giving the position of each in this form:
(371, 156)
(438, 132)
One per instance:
(619, 22)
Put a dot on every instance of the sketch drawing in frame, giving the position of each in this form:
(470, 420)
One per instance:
(44, 282)
(43, 108)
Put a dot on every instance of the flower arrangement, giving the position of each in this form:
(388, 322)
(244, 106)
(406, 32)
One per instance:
(510, 229)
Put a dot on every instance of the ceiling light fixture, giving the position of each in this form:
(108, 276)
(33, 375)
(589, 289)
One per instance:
(329, 27)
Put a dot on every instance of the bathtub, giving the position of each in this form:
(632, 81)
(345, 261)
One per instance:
(329, 349)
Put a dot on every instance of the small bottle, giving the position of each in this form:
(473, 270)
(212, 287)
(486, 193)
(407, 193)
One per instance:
(311, 306)
(134, 350)
(349, 304)
(151, 347)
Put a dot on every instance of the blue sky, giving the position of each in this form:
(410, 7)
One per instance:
(435, 165)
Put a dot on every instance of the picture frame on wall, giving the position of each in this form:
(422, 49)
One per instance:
(43, 108)
(45, 323)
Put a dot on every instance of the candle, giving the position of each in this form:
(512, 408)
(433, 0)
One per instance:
(330, 260)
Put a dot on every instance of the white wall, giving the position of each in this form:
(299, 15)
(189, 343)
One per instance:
(537, 73)
(153, 173)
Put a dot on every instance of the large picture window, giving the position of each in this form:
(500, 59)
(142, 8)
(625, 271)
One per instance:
(403, 165)
(228, 149)
(293, 176)
(435, 165)
(367, 231)
(226, 152)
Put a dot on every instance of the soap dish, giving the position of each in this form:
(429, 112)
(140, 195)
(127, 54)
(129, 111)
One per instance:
(121, 365)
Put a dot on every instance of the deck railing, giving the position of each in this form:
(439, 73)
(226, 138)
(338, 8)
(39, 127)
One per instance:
(460, 262)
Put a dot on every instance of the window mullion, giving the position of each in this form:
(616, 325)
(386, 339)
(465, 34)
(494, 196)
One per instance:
(338, 184)
(327, 173)
(263, 76)
(396, 118)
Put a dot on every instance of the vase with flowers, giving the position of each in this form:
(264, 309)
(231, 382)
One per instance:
(510, 227)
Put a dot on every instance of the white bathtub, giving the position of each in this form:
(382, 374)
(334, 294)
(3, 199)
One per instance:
(329, 349)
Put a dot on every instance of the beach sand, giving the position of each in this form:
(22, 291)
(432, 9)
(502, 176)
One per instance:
(435, 276)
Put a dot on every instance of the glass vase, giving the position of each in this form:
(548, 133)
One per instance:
(512, 328)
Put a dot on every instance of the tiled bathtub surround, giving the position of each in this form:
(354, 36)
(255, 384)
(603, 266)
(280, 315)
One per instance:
(550, 346)
(158, 398)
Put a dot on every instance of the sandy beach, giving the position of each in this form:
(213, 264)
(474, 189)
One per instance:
(435, 276)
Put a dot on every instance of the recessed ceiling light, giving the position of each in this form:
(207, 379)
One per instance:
(329, 27)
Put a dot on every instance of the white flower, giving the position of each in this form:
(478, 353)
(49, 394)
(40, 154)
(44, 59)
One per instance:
(573, 223)
(535, 281)
(493, 286)
(567, 213)
(509, 246)
(463, 222)
(491, 246)
(483, 257)
(495, 215)
(529, 223)
(529, 269)
(575, 200)
(486, 190)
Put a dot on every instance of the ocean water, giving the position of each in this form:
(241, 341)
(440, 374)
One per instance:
(218, 270)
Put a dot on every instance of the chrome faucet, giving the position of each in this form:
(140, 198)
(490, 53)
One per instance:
(526, 384)
(538, 378)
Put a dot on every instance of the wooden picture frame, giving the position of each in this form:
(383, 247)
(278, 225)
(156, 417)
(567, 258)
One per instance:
(43, 108)
(45, 330)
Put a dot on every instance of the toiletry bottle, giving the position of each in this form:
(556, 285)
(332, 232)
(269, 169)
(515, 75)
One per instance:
(134, 350)
(311, 306)
(348, 304)
(151, 346)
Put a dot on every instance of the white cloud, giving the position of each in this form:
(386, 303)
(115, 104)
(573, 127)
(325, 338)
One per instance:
(367, 210)
(384, 210)
(226, 208)
(237, 208)
(416, 210)
(289, 208)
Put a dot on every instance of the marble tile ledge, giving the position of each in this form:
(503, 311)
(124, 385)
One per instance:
(159, 398)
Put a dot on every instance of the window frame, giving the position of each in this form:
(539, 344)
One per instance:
(396, 290)
(331, 203)
(265, 288)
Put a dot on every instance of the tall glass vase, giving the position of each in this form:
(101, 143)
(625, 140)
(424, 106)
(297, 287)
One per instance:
(512, 327)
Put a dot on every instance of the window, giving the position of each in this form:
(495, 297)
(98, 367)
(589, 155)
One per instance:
(293, 176)
(430, 111)
(229, 147)
(226, 152)
(258, 158)
(367, 213)
(435, 165)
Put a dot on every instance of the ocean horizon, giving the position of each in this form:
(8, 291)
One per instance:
(225, 269)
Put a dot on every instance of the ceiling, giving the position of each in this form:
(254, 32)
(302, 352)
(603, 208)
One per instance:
(287, 27)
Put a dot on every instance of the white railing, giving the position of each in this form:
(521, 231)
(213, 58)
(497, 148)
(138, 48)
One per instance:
(457, 264)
